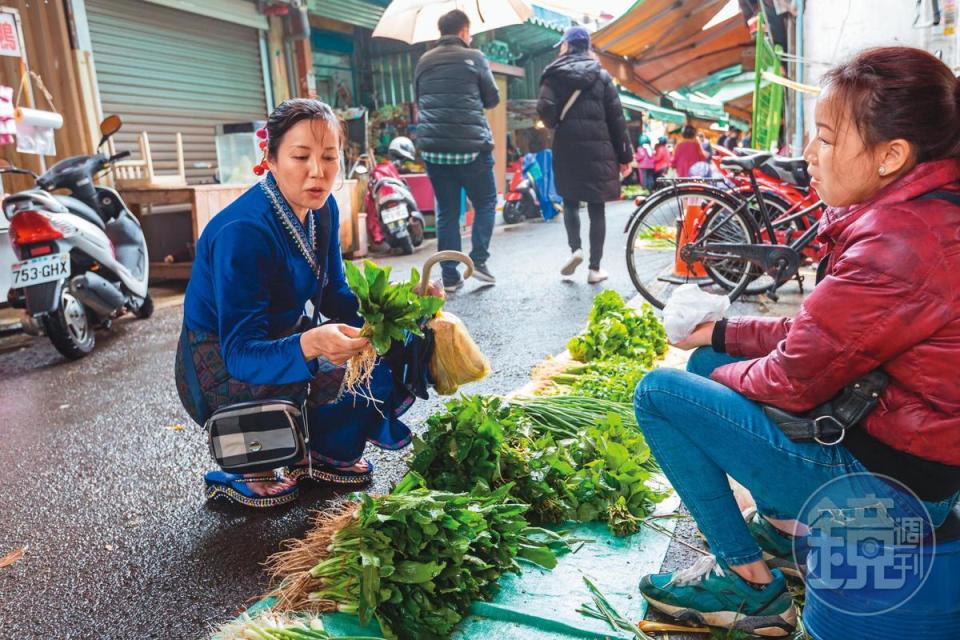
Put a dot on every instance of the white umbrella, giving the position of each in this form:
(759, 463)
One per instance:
(414, 21)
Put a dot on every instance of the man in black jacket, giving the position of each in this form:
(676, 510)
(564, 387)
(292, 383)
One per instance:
(454, 85)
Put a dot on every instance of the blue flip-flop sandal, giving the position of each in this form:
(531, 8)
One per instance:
(232, 488)
(321, 472)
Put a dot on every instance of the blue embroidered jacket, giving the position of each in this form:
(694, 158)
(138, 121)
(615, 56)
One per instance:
(251, 279)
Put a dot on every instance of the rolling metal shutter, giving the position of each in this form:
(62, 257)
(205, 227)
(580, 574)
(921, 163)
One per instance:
(165, 71)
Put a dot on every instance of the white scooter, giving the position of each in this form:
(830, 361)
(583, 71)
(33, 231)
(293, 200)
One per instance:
(83, 256)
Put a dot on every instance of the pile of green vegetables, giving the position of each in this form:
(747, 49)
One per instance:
(415, 559)
(616, 330)
(614, 379)
(568, 457)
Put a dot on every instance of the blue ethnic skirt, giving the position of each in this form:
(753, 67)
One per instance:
(339, 428)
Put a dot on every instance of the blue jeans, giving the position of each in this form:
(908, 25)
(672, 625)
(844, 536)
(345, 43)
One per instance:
(701, 431)
(477, 179)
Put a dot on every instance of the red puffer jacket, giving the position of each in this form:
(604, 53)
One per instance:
(891, 298)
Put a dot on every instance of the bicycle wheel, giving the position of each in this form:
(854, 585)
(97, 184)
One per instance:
(777, 207)
(660, 229)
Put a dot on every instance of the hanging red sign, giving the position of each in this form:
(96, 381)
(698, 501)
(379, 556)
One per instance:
(9, 41)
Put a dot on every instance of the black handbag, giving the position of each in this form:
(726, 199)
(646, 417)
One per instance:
(247, 437)
(828, 423)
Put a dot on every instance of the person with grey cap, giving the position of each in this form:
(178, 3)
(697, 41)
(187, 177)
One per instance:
(591, 148)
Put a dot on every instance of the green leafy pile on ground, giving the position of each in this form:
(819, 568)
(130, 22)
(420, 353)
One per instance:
(616, 330)
(614, 379)
(568, 457)
(415, 559)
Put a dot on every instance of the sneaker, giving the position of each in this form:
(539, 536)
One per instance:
(597, 275)
(453, 287)
(481, 273)
(777, 547)
(575, 259)
(710, 593)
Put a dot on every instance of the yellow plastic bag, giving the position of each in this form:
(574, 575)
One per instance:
(456, 357)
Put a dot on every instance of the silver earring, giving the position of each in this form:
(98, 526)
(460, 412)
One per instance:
(883, 170)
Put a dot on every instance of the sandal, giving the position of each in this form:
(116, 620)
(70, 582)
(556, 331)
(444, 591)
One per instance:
(232, 488)
(321, 472)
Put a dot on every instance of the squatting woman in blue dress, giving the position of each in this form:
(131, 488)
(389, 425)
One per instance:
(244, 333)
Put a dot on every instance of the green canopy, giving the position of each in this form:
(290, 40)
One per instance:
(698, 106)
(634, 103)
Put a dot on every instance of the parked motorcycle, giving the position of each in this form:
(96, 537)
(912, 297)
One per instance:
(389, 198)
(521, 201)
(83, 256)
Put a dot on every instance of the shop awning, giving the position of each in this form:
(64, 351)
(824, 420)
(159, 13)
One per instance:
(656, 112)
(664, 46)
(698, 106)
(530, 38)
(361, 13)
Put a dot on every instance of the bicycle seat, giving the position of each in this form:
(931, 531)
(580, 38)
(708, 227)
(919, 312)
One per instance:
(746, 163)
(791, 170)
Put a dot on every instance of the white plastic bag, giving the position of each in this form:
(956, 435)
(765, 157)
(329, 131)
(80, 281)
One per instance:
(689, 306)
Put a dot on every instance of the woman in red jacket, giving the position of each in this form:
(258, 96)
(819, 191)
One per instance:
(885, 159)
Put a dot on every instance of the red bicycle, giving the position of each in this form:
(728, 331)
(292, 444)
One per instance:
(722, 234)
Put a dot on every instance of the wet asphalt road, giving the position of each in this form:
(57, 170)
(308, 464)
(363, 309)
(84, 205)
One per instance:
(107, 494)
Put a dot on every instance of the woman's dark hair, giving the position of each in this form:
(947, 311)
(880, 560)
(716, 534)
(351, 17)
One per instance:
(900, 92)
(689, 132)
(289, 112)
(452, 23)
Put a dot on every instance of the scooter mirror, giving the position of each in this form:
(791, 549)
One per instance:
(360, 169)
(110, 125)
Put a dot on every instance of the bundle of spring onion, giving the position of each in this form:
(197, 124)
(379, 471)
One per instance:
(415, 559)
(614, 329)
(270, 625)
(568, 457)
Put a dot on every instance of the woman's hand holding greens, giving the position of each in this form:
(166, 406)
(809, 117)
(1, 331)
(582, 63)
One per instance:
(334, 342)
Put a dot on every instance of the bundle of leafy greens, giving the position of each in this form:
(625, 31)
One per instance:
(616, 330)
(389, 311)
(568, 457)
(415, 559)
(615, 379)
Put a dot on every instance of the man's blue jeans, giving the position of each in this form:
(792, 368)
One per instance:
(477, 179)
(701, 431)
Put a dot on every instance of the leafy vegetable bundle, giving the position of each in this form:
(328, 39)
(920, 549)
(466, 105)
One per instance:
(568, 457)
(615, 379)
(388, 310)
(415, 559)
(614, 329)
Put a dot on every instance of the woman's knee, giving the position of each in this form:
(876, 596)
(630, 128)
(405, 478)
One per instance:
(703, 361)
(654, 387)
